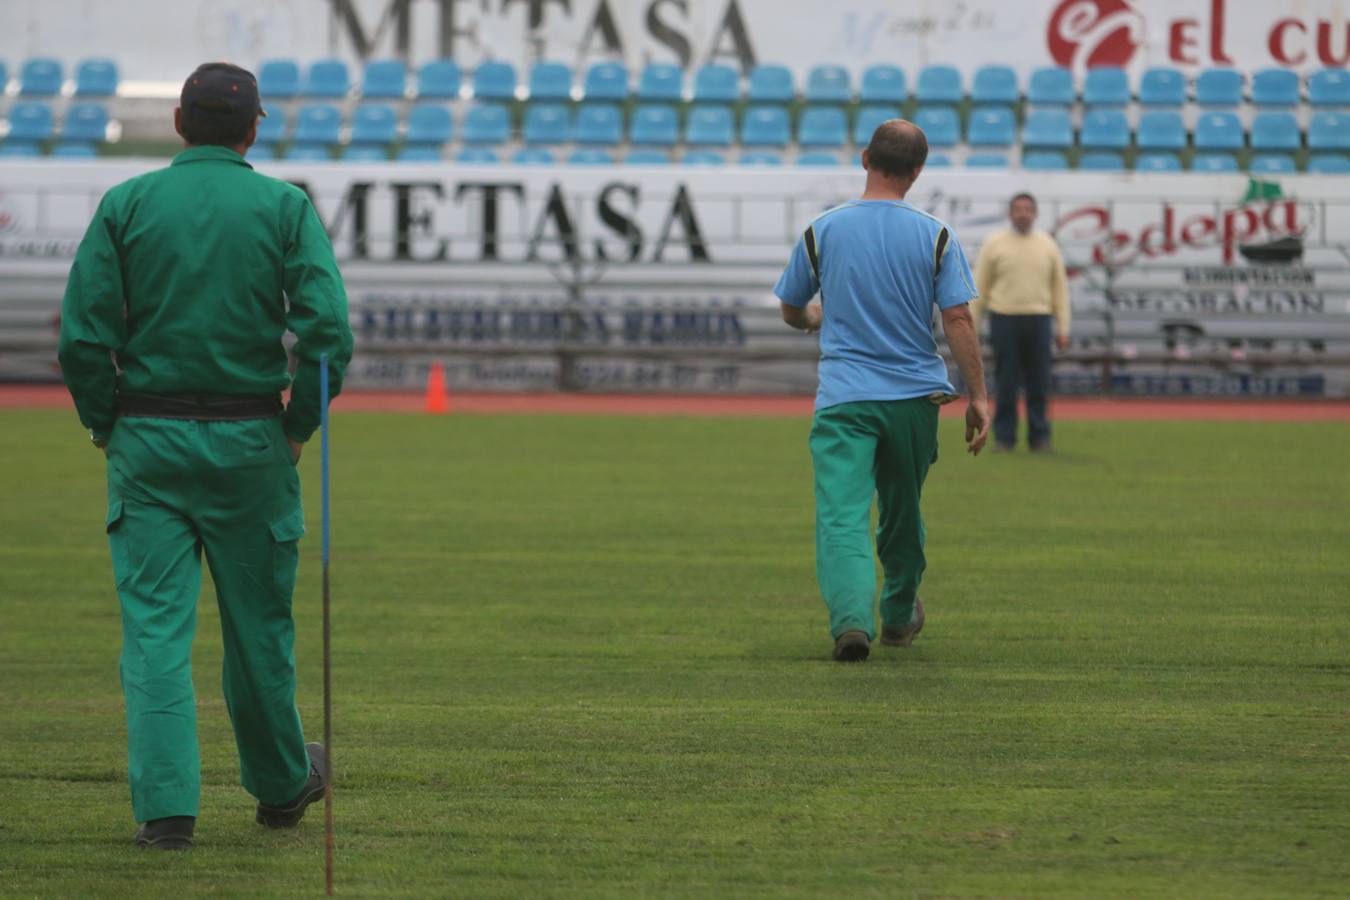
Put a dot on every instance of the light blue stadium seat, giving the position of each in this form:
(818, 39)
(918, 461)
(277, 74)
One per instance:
(1158, 162)
(364, 153)
(1329, 164)
(429, 124)
(1106, 86)
(661, 81)
(1162, 86)
(1218, 131)
(591, 157)
(765, 126)
(546, 123)
(439, 79)
(374, 123)
(1275, 87)
(938, 161)
(308, 153)
(328, 78)
(318, 124)
(817, 158)
(272, 127)
(717, 83)
(869, 119)
(606, 81)
(704, 158)
(487, 123)
(261, 153)
(75, 150)
(598, 123)
(771, 84)
(494, 81)
(648, 158)
(655, 124)
(987, 161)
(1045, 161)
(1329, 131)
(1047, 128)
(1218, 88)
(279, 79)
(1214, 162)
(1273, 164)
(87, 122)
(1101, 161)
(992, 126)
(760, 158)
(1329, 87)
(995, 85)
(4, 77)
(418, 153)
(1105, 129)
(533, 156)
(829, 84)
(883, 84)
(822, 126)
(709, 126)
(385, 79)
(940, 85)
(1051, 86)
(12, 149)
(940, 124)
(1161, 130)
(94, 78)
(1276, 131)
(550, 81)
(30, 120)
(477, 155)
(40, 77)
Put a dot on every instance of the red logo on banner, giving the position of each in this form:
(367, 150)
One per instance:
(1085, 33)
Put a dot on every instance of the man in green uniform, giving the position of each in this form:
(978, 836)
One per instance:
(171, 345)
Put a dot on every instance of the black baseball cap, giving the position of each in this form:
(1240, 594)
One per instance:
(221, 92)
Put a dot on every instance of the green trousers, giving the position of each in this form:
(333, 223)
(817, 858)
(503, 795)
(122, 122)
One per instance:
(862, 450)
(176, 489)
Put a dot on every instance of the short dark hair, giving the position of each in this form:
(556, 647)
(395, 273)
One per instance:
(201, 127)
(1022, 196)
(898, 148)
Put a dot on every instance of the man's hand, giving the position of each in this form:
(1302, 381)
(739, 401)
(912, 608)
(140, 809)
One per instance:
(977, 424)
(804, 318)
(296, 447)
(1062, 341)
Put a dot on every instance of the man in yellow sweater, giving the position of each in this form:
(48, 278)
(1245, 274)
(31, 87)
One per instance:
(1022, 285)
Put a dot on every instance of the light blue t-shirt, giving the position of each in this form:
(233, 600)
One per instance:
(879, 265)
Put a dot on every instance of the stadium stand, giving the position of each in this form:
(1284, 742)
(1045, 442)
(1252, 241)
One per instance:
(760, 158)
(40, 77)
(1048, 128)
(829, 84)
(476, 155)
(364, 153)
(1218, 131)
(817, 158)
(86, 123)
(327, 78)
(1105, 129)
(995, 85)
(93, 78)
(1329, 87)
(415, 153)
(494, 81)
(1219, 88)
(771, 84)
(550, 81)
(308, 153)
(1051, 86)
(704, 158)
(987, 161)
(1214, 162)
(279, 79)
(765, 126)
(546, 123)
(30, 121)
(374, 124)
(1275, 87)
(655, 125)
(1273, 164)
(941, 124)
(1106, 86)
(429, 125)
(1101, 161)
(825, 126)
(1161, 130)
(1162, 86)
(1325, 164)
(385, 79)
(883, 84)
(1275, 131)
(717, 83)
(599, 124)
(591, 157)
(869, 117)
(661, 82)
(606, 81)
(272, 128)
(487, 123)
(1045, 161)
(66, 150)
(439, 80)
(533, 156)
(992, 126)
(710, 126)
(1158, 162)
(940, 85)
(939, 161)
(648, 158)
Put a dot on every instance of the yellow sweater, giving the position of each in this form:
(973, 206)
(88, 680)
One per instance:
(1022, 275)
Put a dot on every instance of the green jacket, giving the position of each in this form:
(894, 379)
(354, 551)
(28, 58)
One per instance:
(189, 276)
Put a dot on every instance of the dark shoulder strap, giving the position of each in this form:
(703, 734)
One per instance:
(940, 248)
(809, 238)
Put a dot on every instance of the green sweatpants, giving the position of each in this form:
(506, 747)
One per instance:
(860, 450)
(177, 488)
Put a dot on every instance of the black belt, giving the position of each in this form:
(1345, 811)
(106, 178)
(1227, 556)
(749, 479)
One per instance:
(203, 407)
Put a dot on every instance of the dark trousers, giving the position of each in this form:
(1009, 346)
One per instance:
(1021, 362)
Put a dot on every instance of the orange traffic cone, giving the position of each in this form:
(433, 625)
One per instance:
(438, 401)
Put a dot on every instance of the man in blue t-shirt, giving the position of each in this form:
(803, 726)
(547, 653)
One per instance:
(880, 265)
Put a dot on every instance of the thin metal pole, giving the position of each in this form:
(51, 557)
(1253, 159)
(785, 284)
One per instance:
(327, 652)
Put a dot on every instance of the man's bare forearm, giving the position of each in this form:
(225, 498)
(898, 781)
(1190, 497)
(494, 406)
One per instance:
(964, 342)
(803, 318)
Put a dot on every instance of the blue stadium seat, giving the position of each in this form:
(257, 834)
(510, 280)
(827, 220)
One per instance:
(87, 122)
(648, 158)
(328, 78)
(4, 77)
(1105, 129)
(487, 123)
(829, 84)
(12, 149)
(385, 79)
(40, 77)
(1276, 131)
(30, 120)
(1051, 86)
(765, 126)
(439, 80)
(364, 153)
(822, 126)
(75, 150)
(1218, 88)
(1158, 162)
(1162, 86)
(1329, 131)
(261, 153)
(1101, 161)
(309, 153)
(771, 84)
(1273, 164)
(533, 156)
(1045, 161)
(760, 158)
(606, 81)
(869, 118)
(704, 158)
(94, 78)
(279, 79)
(317, 124)
(1275, 87)
(546, 123)
(940, 124)
(550, 81)
(1329, 87)
(1320, 164)
(374, 123)
(992, 126)
(1161, 130)
(818, 158)
(883, 84)
(987, 161)
(657, 124)
(494, 81)
(477, 155)
(1218, 131)
(940, 85)
(710, 126)
(419, 153)
(272, 127)
(661, 81)
(938, 161)
(717, 83)
(430, 125)
(591, 158)
(1047, 128)
(598, 123)
(1214, 162)
(1106, 86)
(995, 85)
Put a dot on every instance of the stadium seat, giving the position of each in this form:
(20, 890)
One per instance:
(987, 161)
(717, 83)
(1329, 164)
(883, 84)
(829, 84)
(494, 81)
(1276, 131)
(771, 84)
(1275, 87)
(1105, 129)
(86, 122)
(1273, 164)
(1329, 87)
(869, 118)
(1106, 86)
(765, 126)
(704, 158)
(533, 156)
(93, 78)
(419, 153)
(709, 126)
(1214, 162)
(992, 126)
(385, 79)
(439, 80)
(272, 127)
(822, 126)
(1101, 161)
(308, 153)
(261, 153)
(1162, 86)
(364, 153)
(1158, 162)
(656, 124)
(429, 125)
(1218, 88)
(995, 86)
(606, 81)
(327, 78)
(550, 81)
(1329, 131)
(1045, 161)
(40, 77)
(1218, 131)
(591, 158)
(1051, 86)
(1161, 130)
(487, 123)
(30, 120)
(940, 85)
(4, 77)
(661, 81)
(473, 155)
(940, 124)
(938, 161)
(818, 159)
(279, 79)
(374, 124)
(546, 123)
(648, 158)
(760, 158)
(317, 125)
(12, 149)
(74, 150)
(1047, 128)
(598, 123)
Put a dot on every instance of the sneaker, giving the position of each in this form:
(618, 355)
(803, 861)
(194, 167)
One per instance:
(903, 637)
(852, 646)
(171, 833)
(289, 816)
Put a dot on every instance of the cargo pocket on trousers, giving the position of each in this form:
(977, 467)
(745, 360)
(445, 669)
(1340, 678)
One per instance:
(286, 533)
(117, 541)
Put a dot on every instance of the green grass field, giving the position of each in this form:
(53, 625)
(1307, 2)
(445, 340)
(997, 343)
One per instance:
(584, 657)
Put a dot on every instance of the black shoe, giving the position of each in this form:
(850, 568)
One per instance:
(171, 833)
(903, 637)
(289, 816)
(852, 646)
